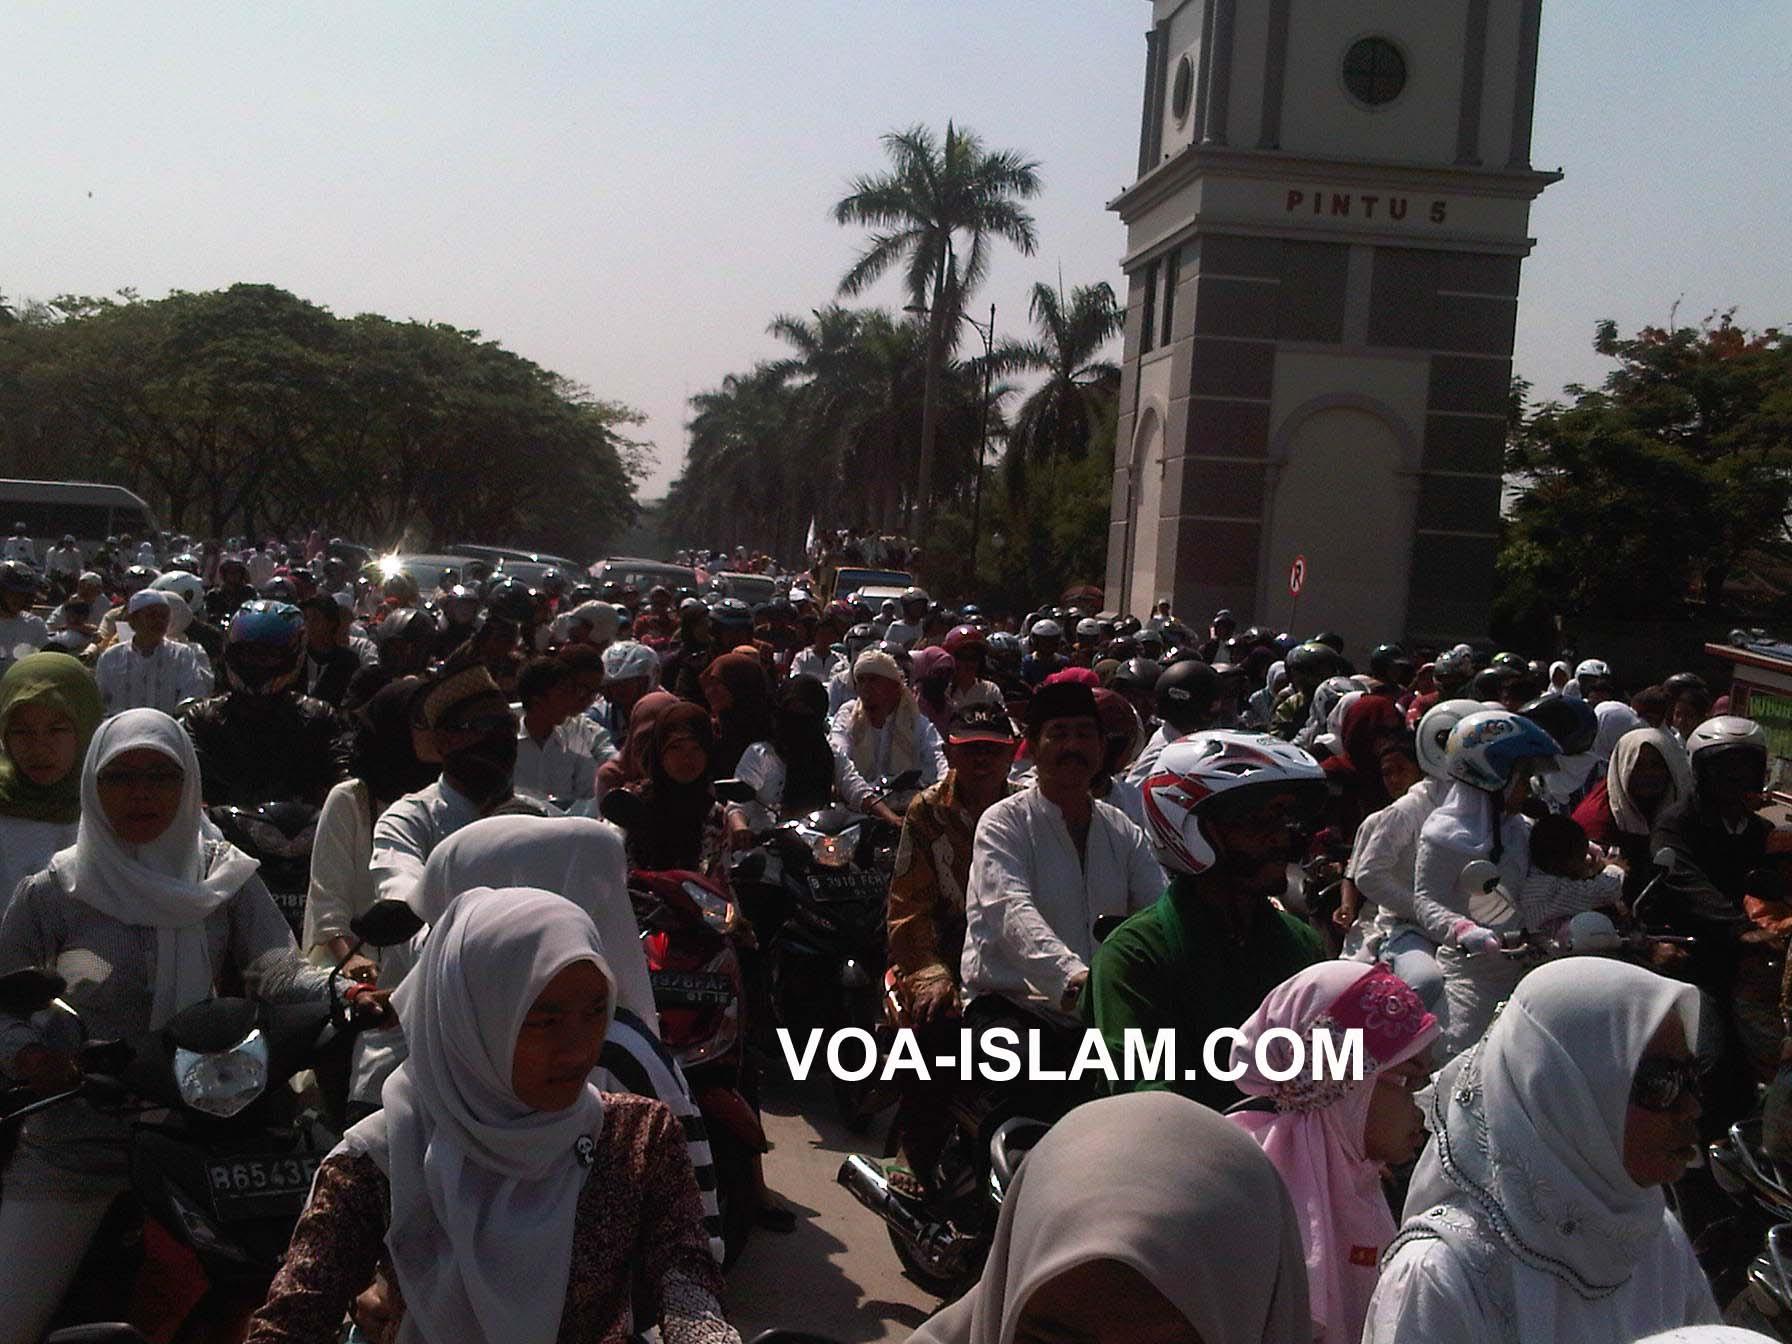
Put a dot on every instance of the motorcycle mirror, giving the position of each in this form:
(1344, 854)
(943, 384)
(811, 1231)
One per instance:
(214, 1025)
(733, 791)
(1666, 859)
(29, 989)
(620, 806)
(386, 924)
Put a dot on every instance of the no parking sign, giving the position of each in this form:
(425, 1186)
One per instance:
(1297, 576)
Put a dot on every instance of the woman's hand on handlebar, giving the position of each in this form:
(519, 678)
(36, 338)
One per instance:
(370, 1006)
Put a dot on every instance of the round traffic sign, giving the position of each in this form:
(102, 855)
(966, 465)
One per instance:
(1297, 576)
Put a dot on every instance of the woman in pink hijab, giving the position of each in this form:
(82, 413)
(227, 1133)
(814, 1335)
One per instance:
(1333, 1141)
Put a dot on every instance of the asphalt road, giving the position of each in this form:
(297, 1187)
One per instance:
(835, 1274)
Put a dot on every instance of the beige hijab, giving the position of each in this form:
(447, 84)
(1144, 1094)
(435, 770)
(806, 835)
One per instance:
(1166, 1187)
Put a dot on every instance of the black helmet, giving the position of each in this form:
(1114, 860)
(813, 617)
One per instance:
(732, 613)
(1004, 650)
(1311, 663)
(1137, 674)
(138, 577)
(408, 624)
(552, 581)
(1331, 639)
(1573, 723)
(1682, 682)
(279, 589)
(914, 595)
(18, 577)
(1186, 694)
(510, 599)
(1386, 661)
(1511, 662)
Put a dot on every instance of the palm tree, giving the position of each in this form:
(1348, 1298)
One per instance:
(1073, 407)
(935, 212)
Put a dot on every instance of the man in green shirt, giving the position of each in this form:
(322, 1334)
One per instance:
(1227, 812)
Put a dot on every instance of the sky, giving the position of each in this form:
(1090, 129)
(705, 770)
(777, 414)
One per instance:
(628, 192)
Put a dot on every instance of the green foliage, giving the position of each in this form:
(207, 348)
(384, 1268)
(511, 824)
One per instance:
(1657, 489)
(246, 409)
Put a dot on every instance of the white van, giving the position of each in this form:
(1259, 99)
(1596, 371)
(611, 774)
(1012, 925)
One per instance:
(52, 510)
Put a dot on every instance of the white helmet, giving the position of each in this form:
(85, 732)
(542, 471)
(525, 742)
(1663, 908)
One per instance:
(1592, 667)
(1088, 628)
(1194, 770)
(190, 587)
(627, 659)
(1434, 733)
(1047, 630)
(1485, 748)
(1723, 733)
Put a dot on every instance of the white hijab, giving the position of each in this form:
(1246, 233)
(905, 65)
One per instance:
(1165, 1186)
(165, 885)
(1525, 1174)
(575, 857)
(485, 1191)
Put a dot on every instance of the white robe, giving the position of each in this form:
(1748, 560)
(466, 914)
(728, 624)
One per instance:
(1430, 1293)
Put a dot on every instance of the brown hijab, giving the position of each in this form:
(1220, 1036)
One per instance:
(629, 765)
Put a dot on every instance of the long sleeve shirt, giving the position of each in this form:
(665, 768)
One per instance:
(160, 679)
(639, 1224)
(342, 884)
(762, 767)
(858, 786)
(1032, 902)
(1384, 864)
(110, 967)
(927, 886)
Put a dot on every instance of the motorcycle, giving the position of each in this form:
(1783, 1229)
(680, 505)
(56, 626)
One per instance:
(222, 1151)
(825, 940)
(687, 936)
(1747, 1255)
(279, 835)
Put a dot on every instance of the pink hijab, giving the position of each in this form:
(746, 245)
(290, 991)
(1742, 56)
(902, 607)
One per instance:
(1315, 1135)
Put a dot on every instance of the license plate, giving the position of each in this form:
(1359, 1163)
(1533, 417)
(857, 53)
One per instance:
(691, 989)
(263, 1185)
(850, 886)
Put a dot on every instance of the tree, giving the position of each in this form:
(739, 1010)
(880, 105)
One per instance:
(935, 212)
(248, 408)
(1069, 410)
(1655, 489)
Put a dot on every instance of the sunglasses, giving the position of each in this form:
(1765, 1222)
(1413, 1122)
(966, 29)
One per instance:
(1661, 1083)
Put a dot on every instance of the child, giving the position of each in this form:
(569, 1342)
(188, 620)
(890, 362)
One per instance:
(1568, 875)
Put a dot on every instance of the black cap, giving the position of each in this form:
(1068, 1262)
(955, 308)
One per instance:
(979, 722)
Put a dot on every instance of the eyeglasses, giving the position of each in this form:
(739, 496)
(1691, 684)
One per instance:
(1661, 1083)
(142, 779)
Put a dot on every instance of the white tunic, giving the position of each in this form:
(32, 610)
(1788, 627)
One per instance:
(161, 679)
(823, 667)
(1429, 1292)
(1031, 905)
(24, 631)
(858, 788)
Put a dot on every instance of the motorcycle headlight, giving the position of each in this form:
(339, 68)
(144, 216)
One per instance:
(714, 908)
(832, 851)
(223, 1082)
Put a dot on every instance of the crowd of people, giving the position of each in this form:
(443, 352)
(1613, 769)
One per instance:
(1119, 824)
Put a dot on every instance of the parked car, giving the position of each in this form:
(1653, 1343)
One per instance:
(643, 574)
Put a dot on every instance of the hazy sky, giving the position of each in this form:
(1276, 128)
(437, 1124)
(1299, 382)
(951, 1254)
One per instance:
(628, 192)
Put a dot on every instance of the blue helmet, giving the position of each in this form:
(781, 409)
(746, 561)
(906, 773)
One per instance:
(1484, 749)
(265, 646)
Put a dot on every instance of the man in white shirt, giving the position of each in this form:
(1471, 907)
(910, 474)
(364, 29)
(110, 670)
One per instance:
(148, 671)
(63, 563)
(907, 630)
(21, 547)
(553, 759)
(21, 631)
(820, 659)
(1045, 865)
(883, 733)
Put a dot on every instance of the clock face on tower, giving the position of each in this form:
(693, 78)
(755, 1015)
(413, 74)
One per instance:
(1374, 71)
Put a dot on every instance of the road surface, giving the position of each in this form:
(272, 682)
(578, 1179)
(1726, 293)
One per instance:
(835, 1274)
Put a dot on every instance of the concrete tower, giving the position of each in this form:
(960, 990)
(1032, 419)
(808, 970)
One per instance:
(1323, 249)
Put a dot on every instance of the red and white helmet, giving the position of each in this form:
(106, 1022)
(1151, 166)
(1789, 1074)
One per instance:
(1196, 769)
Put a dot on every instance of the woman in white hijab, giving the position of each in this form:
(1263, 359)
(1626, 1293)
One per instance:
(504, 1198)
(582, 860)
(1537, 1212)
(139, 916)
(1143, 1216)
